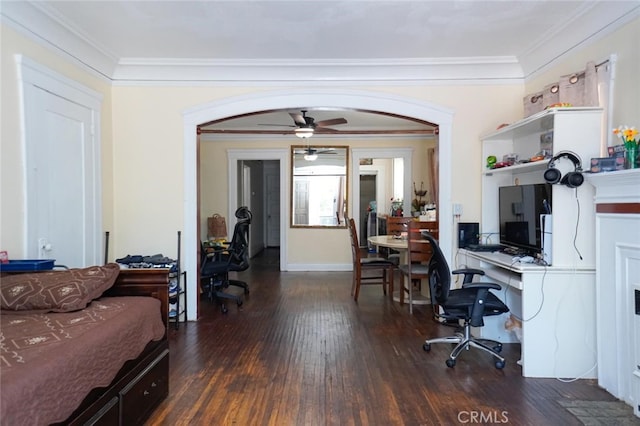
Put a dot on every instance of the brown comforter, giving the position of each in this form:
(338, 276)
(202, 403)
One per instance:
(49, 362)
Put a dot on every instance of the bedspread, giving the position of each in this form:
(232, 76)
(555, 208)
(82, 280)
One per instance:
(49, 362)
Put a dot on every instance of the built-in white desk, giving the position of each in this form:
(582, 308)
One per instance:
(556, 306)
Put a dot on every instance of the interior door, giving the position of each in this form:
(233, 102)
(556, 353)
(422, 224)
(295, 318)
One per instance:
(301, 201)
(61, 180)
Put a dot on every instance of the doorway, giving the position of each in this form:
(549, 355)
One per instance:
(272, 207)
(293, 98)
(368, 190)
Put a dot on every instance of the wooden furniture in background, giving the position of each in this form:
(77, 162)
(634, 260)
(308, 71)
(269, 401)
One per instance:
(361, 264)
(416, 268)
(397, 226)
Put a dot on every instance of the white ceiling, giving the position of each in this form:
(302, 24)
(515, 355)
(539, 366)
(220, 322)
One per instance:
(321, 40)
(315, 42)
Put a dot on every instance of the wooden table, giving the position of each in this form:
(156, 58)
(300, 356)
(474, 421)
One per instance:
(400, 245)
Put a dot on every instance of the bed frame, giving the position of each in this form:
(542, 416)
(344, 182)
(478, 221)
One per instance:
(143, 383)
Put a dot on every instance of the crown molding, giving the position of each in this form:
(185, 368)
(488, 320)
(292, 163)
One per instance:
(42, 24)
(460, 70)
(596, 21)
(38, 24)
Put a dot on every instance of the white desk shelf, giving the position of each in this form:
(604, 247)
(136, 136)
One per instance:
(557, 309)
(556, 302)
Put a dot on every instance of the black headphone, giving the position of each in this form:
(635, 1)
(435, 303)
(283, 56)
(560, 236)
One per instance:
(572, 179)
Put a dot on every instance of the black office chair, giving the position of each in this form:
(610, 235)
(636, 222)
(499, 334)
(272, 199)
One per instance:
(215, 267)
(471, 304)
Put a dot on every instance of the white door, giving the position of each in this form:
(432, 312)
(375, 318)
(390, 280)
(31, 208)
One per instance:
(273, 208)
(62, 219)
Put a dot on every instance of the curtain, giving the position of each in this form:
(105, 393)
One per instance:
(584, 88)
(340, 201)
(432, 158)
(580, 88)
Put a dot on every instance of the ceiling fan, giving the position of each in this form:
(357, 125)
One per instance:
(304, 126)
(311, 154)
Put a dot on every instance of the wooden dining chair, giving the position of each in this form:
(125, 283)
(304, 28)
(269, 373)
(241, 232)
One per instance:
(419, 252)
(397, 225)
(362, 264)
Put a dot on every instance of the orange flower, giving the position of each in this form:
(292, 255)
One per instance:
(627, 134)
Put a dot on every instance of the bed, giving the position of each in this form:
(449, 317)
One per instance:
(82, 346)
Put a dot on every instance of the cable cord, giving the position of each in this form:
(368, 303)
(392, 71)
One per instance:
(541, 299)
(590, 369)
(575, 234)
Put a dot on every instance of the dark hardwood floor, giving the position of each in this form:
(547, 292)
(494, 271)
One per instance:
(300, 351)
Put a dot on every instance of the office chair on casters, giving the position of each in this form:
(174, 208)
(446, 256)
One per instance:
(471, 304)
(215, 267)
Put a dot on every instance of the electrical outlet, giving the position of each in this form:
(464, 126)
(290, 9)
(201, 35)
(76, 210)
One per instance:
(457, 209)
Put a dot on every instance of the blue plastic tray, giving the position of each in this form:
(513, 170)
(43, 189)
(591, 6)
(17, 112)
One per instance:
(27, 265)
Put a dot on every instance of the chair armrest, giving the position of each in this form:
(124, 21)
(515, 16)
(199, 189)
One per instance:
(483, 285)
(468, 274)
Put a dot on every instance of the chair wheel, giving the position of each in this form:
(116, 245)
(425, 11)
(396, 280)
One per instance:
(426, 347)
(497, 348)
(451, 363)
(239, 302)
(499, 365)
(223, 308)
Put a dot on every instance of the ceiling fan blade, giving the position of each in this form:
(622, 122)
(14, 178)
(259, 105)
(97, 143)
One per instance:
(298, 118)
(279, 125)
(331, 122)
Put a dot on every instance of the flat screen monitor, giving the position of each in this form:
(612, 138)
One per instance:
(520, 207)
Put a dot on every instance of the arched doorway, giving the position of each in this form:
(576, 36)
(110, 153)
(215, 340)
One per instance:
(295, 99)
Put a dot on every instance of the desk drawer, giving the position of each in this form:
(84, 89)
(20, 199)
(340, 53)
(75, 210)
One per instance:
(142, 394)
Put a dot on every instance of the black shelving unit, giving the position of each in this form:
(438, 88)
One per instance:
(177, 291)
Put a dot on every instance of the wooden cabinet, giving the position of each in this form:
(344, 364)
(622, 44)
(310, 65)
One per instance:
(143, 393)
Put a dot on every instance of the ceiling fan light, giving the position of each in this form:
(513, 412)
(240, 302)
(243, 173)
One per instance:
(311, 157)
(303, 132)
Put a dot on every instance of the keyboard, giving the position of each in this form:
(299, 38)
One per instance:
(484, 247)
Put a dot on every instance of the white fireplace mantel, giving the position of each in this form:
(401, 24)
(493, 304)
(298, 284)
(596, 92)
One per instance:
(616, 187)
(617, 202)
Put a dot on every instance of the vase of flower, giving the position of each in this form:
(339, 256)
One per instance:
(628, 136)
(631, 156)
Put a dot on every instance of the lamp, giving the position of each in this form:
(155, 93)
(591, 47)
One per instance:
(311, 157)
(304, 132)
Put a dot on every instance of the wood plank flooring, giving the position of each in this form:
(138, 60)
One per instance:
(300, 351)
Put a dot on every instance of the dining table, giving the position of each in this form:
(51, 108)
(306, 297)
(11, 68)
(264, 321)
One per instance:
(399, 243)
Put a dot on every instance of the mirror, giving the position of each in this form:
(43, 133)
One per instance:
(319, 186)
